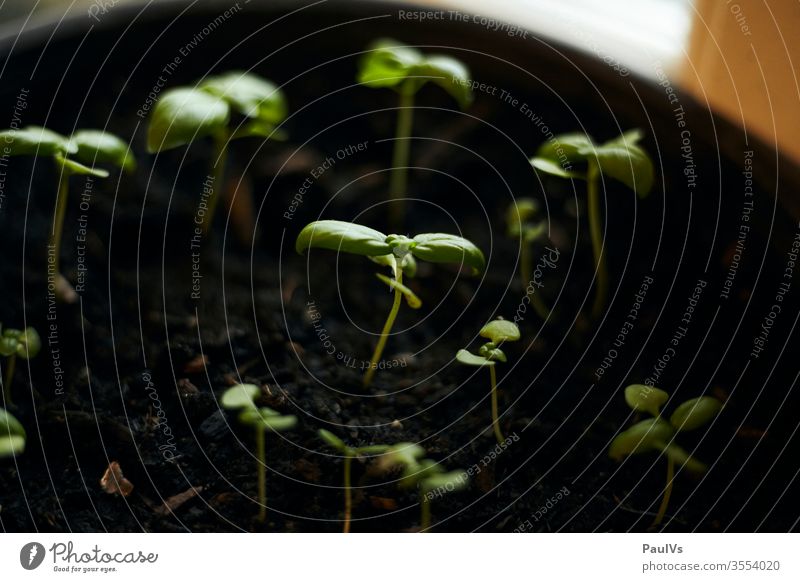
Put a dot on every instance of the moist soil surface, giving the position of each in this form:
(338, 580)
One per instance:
(132, 372)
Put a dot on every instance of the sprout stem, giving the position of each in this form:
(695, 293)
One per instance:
(402, 147)
(425, 512)
(596, 232)
(376, 356)
(61, 212)
(495, 420)
(667, 493)
(348, 493)
(525, 273)
(217, 176)
(11, 363)
(262, 474)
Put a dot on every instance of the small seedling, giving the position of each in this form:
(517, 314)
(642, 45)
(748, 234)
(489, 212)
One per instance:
(389, 63)
(13, 343)
(349, 453)
(185, 114)
(621, 158)
(524, 224)
(657, 435)
(395, 251)
(242, 397)
(76, 155)
(12, 435)
(497, 332)
(428, 476)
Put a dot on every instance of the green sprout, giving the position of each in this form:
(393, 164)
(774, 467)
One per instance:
(523, 224)
(657, 435)
(622, 158)
(395, 251)
(184, 114)
(12, 435)
(13, 343)
(497, 332)
(349, 453)
(242, 397)
(428, 476)
(75, 155)
(389, 63)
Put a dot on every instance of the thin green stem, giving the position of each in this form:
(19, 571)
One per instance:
(217, 176)
(11, 363)
(402, 148)
(596, 233)
(262, 473)
(539, 306)
(495, 417)
(387, 327)
(348, 493)
(662, 510)
(425, 512)
(61, 212)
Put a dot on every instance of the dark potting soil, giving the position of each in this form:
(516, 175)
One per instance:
(133, 371)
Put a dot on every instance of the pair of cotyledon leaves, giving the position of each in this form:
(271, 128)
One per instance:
(87, 147)
(389, 63)
(347, 450)
(497, 332)
(621, 158)
(185, 114)
(419, 471)
(356, 239)
(23, 343)
(657, 434)
(12, 435)
(242, 397)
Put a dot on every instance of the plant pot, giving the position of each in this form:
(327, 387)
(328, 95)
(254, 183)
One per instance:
(131, 373)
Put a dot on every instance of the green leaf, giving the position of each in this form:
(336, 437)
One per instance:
(648, 435)
(10, 446)
(568, 147)
(403, 454)
(500, 330)
(413, 301)
(519, 214)
(266, 418)
(95, 146)
(332, 440)
(695, 413)
(469, 359)
(387, 63)
(553, 168)
(35, 141)
(450, 74)
(8, 345)
(29, 344)
(74, 167)
(250, 95)
(445, 482)
(240, 396)
(342, 236)
(448, 248)
(183, 115)
(258, 128)
(492, 353)
(646, 398)
(372, 449)
(9, 425)
(683, 459)
(623, 159)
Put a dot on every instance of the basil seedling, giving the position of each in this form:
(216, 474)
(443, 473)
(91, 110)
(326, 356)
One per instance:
(14, 342)
(657, 435)
(242, 397)
(497, 332)
(389, 63)
(184, 114)
(349, 453)
(524, 224)
(621, 158)
(76, 155)
(428, 476)
(12, 435)
(395, 251)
